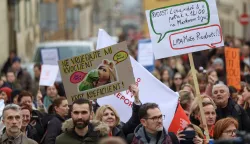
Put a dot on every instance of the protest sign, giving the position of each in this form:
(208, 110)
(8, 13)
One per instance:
(145, 54)
(48, 75)
(184, 28)
(232, 56)
(51, 57)
(97, 74)
(150, 90)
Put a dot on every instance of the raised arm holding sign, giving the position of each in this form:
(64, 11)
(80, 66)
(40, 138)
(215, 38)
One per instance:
(185, 28)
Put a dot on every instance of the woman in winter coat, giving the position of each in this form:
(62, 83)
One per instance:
(60, 108)
(109, 115)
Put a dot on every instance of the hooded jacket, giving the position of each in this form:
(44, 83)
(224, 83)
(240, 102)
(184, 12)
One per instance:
(96, 130)
(140, 137)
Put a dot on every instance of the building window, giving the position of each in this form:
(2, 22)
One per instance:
(17, 16)
(37, 15)
(27, 16)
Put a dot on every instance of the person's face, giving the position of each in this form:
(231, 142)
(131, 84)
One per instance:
(63, 109)
(157, 63)
(178, 79)
(26, 117)
(240, 100)
(214, 75)
(245, 50)
(165, 75)
(12, 121)
(210, 114)
(246, 94)
(26, 100)
(202, 86)
(37, 72)
(229, 132)
(4, 96)
(15, 100)
(218, 67)
(109, 118)
(80, 115)
(220, 96)
(52, 91)
(11, 77)
(153, 123)
(16, 65)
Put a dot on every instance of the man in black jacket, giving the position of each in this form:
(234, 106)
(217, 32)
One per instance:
(226, 107)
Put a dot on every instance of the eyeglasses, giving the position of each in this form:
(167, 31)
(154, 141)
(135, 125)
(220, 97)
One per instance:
(157, 118)
(230, 132)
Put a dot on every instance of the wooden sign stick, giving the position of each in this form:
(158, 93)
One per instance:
(190, 56)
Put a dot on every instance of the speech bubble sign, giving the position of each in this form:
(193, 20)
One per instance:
(120, 56)
(178, 17)
(77, 77)
(202, 36)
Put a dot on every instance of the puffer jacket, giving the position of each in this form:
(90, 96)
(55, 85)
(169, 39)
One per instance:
(96, 131)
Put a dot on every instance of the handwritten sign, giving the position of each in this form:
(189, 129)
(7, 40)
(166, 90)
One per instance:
(51, 57)
(184, 28)
(48, 75)
(97, 74)
(232, 56)
(145, 54)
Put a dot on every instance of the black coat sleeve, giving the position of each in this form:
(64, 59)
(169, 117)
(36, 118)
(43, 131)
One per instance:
(53, 130)
(245, 120)
(133, 122)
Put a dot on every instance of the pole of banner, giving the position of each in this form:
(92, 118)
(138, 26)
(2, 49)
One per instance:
(193, 71)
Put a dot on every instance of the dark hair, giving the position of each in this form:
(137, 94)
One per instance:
(143, 112)
(23, 94)
(38, 65)
(56, 86)
(10, 70)
(25, 106)
(14, 93)
(232, 90)
(83, 101)
(56, 103)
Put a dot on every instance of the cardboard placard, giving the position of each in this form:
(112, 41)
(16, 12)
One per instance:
(184, 28)
(232, 56)
(97, 74)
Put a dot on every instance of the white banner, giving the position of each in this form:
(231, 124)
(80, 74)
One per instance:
(150, 89)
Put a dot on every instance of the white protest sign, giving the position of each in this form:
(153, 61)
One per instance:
(184, 28)
(150, 90)
(145, 53)
(2, 105)
(48, 75)
(51, 57)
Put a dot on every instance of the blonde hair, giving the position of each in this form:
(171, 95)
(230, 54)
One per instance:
(195, 105)
(100, 112)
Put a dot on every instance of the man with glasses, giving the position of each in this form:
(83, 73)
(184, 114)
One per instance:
(12, 119)
(151, 130)
(226, 107)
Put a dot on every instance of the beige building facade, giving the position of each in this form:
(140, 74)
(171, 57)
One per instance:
(27, 27)
(4, 37)
(229, 14)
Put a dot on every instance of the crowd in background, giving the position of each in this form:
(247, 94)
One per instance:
(34, 114)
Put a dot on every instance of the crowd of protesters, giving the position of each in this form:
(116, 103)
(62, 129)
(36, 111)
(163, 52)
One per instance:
(42, 115)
